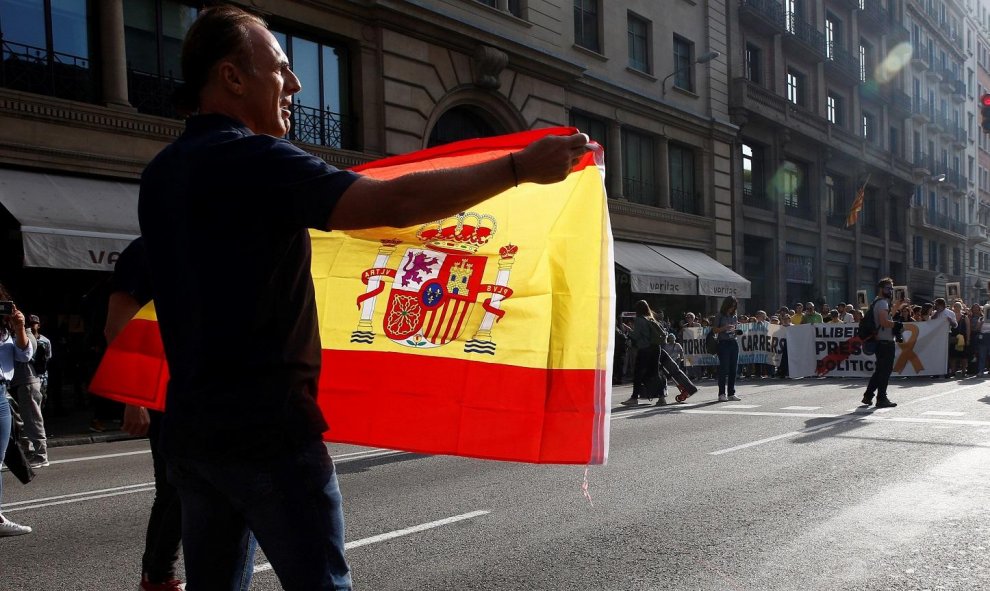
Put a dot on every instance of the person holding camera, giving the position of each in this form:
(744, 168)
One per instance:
(15, 347)
(883, 312)
(728, 348)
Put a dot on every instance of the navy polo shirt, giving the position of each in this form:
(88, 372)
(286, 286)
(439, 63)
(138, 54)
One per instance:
(224, 214)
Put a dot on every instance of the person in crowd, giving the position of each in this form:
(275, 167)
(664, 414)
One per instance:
(15, 347)
(42, 356)
(975, 338)
(845, 313)
(983, 344)
(810, 315)
(940, 312)
(832, 317)
(917, 314)
(927, 309)
(857, 316)
(825, 310)
(960, 350)
(242, 430)
(674, 349)
(26, 387)
(130, 290)
(694, 372)
(797, 315)
(882, 310)
(619, 354)
(728, 348)
(647, 336)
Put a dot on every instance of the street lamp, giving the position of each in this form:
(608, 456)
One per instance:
(701, 60)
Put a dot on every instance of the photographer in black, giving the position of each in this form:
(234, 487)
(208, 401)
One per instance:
(883, 316)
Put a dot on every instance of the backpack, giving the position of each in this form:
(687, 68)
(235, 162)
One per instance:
(711, 342)
(41, 357)
(867, 329)
(656, 333)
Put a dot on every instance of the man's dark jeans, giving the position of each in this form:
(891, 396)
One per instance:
(291, 502)
(884, 367)
(164, 537)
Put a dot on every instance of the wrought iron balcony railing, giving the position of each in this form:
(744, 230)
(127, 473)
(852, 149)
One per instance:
(37, 70)
(757, 198)
(152, 94)
(317, 126)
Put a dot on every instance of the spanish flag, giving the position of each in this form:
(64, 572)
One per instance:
(857, 205)
(487, 334)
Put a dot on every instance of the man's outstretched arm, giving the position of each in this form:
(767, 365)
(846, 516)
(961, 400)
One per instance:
(429, 195)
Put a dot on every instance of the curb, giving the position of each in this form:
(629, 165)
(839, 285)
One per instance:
(87, 439)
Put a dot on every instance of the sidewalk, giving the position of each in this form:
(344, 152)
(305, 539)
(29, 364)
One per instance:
(73, 428)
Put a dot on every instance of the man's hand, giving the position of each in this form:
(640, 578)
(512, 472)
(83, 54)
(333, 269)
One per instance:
(136, 420)
(550, 159)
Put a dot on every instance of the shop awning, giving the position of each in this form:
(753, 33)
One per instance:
(650, 272)
(70, 222)
(714, 278)
(677, 271)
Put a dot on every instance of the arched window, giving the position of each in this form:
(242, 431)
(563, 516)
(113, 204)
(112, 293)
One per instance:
(462, 123)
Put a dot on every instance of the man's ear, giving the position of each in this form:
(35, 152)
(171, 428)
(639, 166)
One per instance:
(231, 78)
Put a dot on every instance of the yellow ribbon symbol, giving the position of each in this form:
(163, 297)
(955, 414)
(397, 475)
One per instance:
(907, 350)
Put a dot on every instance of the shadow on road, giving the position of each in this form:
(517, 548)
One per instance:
(358, 466)
(825, 427)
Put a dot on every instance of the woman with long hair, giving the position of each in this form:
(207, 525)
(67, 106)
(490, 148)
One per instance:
(724, 328)
(647, 335)
(14, 346)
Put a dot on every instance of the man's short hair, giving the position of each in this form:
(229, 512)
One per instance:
(217, 33)
(810, 305)
(885, 281)
(940, 302)
(798, 305)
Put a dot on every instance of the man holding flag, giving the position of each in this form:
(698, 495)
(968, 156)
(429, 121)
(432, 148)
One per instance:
(225, 212)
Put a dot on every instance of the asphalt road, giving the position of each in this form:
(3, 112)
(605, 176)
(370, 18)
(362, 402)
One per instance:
(794, 488)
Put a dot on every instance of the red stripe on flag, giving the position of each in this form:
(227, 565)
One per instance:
(451, 406)
(133, 370)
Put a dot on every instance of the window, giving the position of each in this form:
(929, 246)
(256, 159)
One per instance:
(754, 190)
(594, 127)
(833, 35)
(321, 113)
(586, 24)
(835, 200)
(682, 189)
(754, 70)
(869, 129)
(956, 261)
(796, 87)
(919, 252)
(153, 33)
(895, 141)
(638, 168)
(836, 110)
(46, 48)
(794, 189)
(513, 7)
(932, 256)
(972, 258)
(793, 11)
(682, 63)
(639, 43)
(865, 67)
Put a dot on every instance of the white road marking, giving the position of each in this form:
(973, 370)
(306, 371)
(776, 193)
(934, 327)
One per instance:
(103, 457)
(92, 495)
(732, 405)
(801, 408)
(943, 413)
(395, 534)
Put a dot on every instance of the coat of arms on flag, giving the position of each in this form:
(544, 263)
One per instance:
(435, 286)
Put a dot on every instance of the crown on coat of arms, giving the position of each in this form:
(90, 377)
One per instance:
(466, 232)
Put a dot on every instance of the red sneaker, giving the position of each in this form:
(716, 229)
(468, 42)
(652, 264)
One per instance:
(173, 585)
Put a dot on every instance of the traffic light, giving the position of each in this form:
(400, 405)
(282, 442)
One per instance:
(985, 112)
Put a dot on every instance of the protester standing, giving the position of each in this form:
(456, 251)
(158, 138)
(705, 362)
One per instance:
(42, 356)
(225, 213)
(647, 336)
(26, 387)
(942, 313)
(15, 347)
(983, 347)
(810, 315)
(884, 366)
(728, 349)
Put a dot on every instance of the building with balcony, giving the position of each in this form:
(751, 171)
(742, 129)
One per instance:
(977, 274)
(821, 117)
(85, 92)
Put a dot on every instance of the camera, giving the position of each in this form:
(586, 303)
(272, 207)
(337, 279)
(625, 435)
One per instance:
(898, 331)
(6, 308)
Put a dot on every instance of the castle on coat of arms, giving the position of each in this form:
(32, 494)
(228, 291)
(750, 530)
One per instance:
(435, 286)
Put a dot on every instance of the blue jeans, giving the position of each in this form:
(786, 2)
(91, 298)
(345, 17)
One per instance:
(728, 363)
(291, 502)
(4, 430)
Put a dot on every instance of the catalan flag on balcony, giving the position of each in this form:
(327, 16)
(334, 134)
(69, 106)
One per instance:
(486, 334)
(857, 205)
